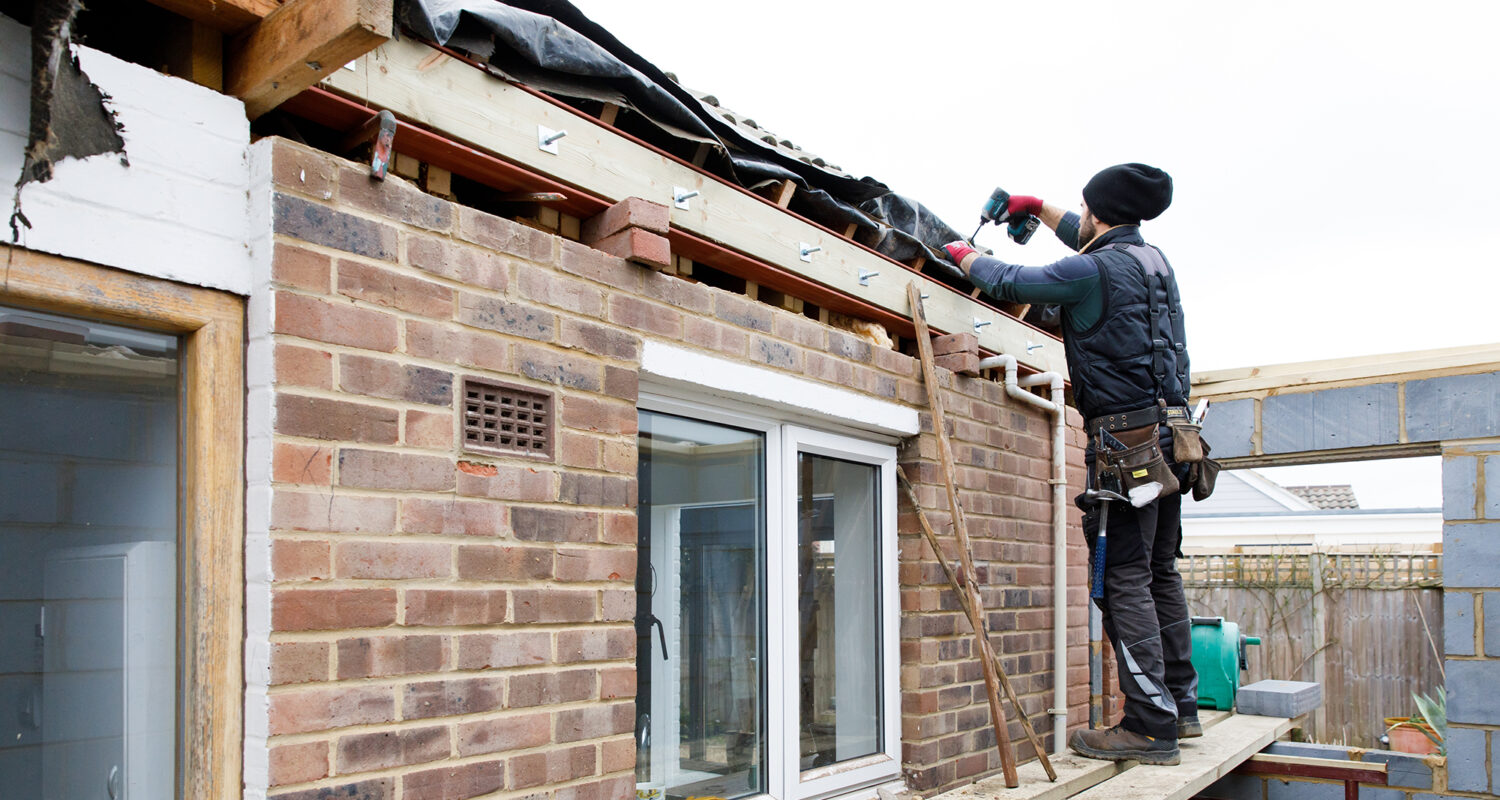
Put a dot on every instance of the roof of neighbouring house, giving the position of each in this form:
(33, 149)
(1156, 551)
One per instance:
(1327, 497)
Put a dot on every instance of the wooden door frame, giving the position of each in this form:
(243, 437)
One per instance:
(211, 488)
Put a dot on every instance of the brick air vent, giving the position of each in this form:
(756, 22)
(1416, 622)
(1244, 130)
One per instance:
(513, 420)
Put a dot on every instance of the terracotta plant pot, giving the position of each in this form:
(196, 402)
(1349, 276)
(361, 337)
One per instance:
(1408, 736)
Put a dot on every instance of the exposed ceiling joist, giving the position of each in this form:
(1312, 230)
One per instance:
(229, 16)
(299, 44)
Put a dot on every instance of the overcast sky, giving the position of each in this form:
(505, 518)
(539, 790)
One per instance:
(1336, 163)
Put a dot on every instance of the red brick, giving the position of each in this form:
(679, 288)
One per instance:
(429, 429)
(588, 414)
(301, 269)
(453, 517)
(632, 212)
(595, 564)
(299, 662)
(577, 450)
(508, 237)
(619, 529)
(620, 456)
(594, 722)
(393, 560)
(320, 418)
(379, 469)
(324, 709)
(451, 698)
(335, 323)
(515, 732)
(955, 343)
(774, 353)
(556, 766)
(297, 560)
(457, 346)
(639, 246)
(618, 683)
(743, 313)
(586, 262)
(595, 643)
(298, 763)
(508, 482)
(379, 377)
(454, 783)
(715, 336)
(618, 604)
(301, 463)
(303, 511)
(551, 688)
(383, 287)
(383, 656)
(962, 363)
(302, 366)
(548, 288)
(443, 607)
(554, 524)
(637, 314)
(485, 563)
(614, 788)
(554, 605)
(370, 751)
(564, 368)
(376, 789)
(395, 198)
(307, 171)
(502, 650)
(601, 340)
(582, 489)
(506, 316)
(622, 383)
(617, 755)
(331, 609)
(472, 266)
(798, 329)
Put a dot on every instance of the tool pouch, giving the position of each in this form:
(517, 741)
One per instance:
(1144, 474)
(1203, 475)
(1187, 441)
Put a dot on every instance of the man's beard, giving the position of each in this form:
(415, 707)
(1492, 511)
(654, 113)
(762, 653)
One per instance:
(1087, 230)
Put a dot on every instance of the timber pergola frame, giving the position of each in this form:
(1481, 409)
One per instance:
(449, 97)
(277, 49)
(211, 531)
(1386, 406)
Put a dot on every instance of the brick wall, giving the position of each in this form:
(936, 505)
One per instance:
(449, 625)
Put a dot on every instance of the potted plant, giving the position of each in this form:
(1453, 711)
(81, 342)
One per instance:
(1423, 732)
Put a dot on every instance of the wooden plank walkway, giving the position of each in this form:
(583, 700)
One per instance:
(1228, 739)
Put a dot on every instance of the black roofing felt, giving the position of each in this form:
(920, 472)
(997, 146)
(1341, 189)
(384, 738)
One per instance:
(551, 46)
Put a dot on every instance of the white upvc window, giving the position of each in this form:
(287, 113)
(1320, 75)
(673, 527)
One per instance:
(767, 627)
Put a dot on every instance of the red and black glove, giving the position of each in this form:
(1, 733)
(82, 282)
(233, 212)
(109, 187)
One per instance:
(1024, 205)
(962, 253)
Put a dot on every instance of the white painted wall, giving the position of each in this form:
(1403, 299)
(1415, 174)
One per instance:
(177, 212)
(259, 422)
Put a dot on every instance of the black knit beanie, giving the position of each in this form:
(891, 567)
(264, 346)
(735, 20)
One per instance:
(1125, 194)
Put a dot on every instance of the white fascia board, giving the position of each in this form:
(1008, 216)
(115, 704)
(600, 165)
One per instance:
(669, 365)
(1382, 526)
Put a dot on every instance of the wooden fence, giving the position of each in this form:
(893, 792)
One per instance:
(1368, 626)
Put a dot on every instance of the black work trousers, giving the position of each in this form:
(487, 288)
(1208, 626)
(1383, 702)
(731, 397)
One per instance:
(1145, 613)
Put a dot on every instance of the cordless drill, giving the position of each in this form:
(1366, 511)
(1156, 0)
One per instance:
(1020, 229)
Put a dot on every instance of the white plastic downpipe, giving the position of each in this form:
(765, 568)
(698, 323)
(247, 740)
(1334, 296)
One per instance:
(1017, 389)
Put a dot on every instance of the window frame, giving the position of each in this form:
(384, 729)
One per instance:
(788, 433)
(209, 743)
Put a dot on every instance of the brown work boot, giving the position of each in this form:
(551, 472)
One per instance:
(1189, 728)
(1118, 744)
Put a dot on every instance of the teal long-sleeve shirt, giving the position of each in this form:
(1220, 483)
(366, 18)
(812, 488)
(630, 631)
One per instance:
(1075, 282)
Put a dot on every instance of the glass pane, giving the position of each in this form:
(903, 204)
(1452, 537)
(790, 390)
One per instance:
(838, 602)
(700, 613)
(88, 564)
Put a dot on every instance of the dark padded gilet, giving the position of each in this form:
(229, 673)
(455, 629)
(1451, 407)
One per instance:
(1137, 352)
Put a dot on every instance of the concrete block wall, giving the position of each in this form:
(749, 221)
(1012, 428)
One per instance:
(444, 624)
(176, 211)
(1471, 612)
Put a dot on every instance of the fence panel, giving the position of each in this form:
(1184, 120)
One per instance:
(1381, 626)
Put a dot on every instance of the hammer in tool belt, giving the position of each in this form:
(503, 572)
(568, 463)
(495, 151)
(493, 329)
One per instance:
(1106, 491)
